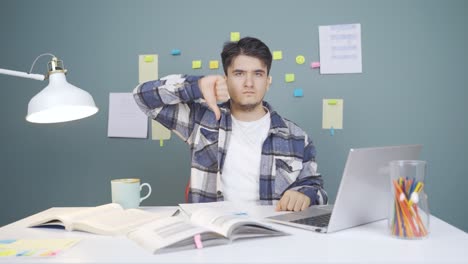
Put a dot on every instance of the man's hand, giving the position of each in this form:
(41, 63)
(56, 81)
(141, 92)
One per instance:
(293, 201)
(214, 89)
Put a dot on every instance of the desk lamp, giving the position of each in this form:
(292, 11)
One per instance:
(59, 101)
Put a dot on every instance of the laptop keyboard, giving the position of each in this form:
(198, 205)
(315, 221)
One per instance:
(319, 220)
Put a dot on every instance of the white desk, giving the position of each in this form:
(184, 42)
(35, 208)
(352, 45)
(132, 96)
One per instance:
(369, 243)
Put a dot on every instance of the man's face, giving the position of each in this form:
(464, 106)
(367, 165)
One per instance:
(247, 82)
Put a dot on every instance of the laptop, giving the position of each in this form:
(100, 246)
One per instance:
(363, 195)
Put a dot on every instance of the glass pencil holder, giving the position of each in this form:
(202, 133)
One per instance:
(409, 210)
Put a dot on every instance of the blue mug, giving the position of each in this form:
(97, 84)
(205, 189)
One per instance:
(126, 192)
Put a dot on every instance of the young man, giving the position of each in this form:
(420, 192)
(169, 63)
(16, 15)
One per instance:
(242, 150)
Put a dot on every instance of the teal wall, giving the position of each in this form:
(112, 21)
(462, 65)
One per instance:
(413, 90)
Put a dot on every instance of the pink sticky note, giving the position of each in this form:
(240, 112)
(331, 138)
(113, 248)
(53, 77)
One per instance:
(315, 64)
(198, 242)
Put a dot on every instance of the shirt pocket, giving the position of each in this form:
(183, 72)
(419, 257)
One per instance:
(287, 171)
(205, 153)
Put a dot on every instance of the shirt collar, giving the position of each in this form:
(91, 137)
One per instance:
(277, 124)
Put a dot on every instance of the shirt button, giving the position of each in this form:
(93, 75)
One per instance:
(219, 193)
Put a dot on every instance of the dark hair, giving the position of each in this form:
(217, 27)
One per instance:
(246, 46)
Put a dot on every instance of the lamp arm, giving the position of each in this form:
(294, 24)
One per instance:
(34, 76)
(29, 75)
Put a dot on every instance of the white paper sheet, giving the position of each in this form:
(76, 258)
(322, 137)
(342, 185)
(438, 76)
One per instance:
(125, 117)
(340, 49)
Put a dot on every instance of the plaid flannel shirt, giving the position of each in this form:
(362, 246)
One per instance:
(288, 154)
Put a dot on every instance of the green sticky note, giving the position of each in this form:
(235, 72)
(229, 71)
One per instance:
(332, 101)
(235, 36)
(149, 58)
(196, 64)
(277, 55)
(289, 77)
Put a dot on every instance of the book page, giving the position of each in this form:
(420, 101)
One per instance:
(172, 233)
(222, 221)
(116, 222)
(67, 219)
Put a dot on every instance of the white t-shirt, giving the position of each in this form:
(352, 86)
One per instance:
(241, 169)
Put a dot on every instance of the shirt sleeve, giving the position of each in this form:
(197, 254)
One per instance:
(174, 101)
(309, 182)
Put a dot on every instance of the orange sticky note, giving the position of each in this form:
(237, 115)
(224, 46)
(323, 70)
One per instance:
(214, 64)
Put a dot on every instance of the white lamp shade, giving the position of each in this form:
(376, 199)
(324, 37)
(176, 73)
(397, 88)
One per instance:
(60, 102)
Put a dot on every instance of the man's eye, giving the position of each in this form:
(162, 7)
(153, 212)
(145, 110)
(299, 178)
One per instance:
(238, 74)
(259, 74)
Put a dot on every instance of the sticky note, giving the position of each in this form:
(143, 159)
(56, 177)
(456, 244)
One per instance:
(7, 252)
(175, 52)
(289, 77)
(298, 92)
(214, 64)
(300, 59)
(196, 64)
(149, 58)
(159, 132)
(198, 242)
(315, 64)
(277, 55)
(332, 114)
(147, 67)
(235, 36)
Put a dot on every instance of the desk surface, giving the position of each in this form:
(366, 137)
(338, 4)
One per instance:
(369, 243)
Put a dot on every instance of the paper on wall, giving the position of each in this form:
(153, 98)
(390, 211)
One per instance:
(332, 114)
(340, 49)
(125, 117)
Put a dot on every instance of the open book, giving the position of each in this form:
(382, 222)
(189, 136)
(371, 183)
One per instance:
(108, 219)
(204, 227)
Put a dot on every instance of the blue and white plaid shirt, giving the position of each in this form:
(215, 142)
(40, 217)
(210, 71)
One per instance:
(288, 154)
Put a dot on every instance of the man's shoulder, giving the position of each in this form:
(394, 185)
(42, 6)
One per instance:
(294, 128)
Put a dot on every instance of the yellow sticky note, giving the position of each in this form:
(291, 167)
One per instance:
(289, 77)
(147, 67)
(235, 36)
(196, 64)
(300, 59)
(149, 58)
(332, 115)
(7, 252)
(277, 55)
(159, 132)
(214, 64)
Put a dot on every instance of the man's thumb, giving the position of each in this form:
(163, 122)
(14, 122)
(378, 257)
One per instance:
(215, 109)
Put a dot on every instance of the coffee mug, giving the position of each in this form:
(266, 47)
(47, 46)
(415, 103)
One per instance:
(126, 192)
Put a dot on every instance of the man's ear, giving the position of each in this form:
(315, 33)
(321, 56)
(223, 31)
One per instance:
(269, 82)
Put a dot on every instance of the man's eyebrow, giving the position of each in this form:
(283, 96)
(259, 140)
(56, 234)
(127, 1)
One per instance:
(256, 71)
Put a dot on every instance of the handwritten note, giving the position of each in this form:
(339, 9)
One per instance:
(340, 49)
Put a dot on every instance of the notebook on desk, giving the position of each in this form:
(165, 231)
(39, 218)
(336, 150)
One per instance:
(363, 195)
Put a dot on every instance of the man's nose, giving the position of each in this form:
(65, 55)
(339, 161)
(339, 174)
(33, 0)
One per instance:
(249, 80)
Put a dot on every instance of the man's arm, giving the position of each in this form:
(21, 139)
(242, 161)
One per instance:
(175, 100)
(307, 189)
